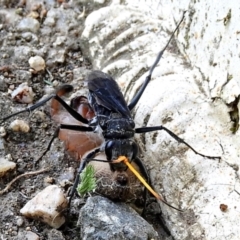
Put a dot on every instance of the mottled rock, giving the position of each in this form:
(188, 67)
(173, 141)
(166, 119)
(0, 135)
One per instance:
(22, 52)
(26, 235)
(54, 234)
(103, 219)
(56, 56)
(23, 75)
(28, 24)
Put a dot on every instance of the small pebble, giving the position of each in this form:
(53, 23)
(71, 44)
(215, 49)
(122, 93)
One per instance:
(3, 132)
(49, 180)
(55, 83)
(6, 166)
(27, 235)
(19, 160)
(14, 233)
(19, 221)
(223, 207)
(28, 24)
(11, 87)
(32, 236)
(37, 63)
(64, 183)
(23, 93)
(19, 126)
(47, 206)
(67, 175)
(5, 55)
(3, 85)
(59, 41)
(9, 157)
(33, 14)
(27, 36)
(40, 115)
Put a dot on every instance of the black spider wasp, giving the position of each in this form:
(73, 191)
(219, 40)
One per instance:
(113, 116)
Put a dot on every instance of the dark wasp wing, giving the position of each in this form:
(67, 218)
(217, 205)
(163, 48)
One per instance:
(107, 93)
(77, 143)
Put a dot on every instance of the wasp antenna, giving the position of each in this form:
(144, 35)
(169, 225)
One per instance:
(180, 210)
(136, 98)
(97, 160)
(142, 180)
(163, 50)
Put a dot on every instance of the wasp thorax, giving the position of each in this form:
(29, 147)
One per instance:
(119, 128)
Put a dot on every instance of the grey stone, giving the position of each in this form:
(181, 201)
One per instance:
(28, 24)
(103, 219)
(3, 85)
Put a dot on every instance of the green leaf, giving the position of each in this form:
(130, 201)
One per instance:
(88, 181)
(48, 82)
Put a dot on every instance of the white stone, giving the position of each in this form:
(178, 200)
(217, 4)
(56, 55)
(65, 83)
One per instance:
(23, 93)
(19, 126)
(47, 206)
(5, 166)
(28, 24)
(37, 63)
(193, 102)
(2, 132)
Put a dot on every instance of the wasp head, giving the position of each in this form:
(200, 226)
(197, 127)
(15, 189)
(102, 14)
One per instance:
(120, 147)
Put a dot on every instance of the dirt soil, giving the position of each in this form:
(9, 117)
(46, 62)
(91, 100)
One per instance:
(25, 148)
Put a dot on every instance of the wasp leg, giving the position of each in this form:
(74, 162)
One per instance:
(136, 98)
(76, 128)
(145, 174)
(28, 109)
(56, 133)
(142, 180)
(83, 164)
(74, 113)
(173, 135)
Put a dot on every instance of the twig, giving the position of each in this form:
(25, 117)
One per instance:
(22, 175)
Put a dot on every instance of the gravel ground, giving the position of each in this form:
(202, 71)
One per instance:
(25, 31)
(19, 41)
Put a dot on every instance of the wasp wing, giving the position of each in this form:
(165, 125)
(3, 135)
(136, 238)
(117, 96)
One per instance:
(76, 143)
(107, 93)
